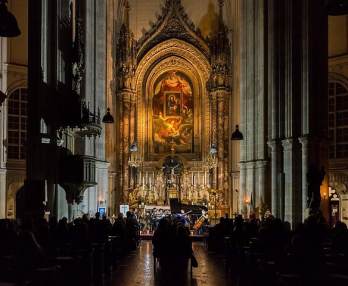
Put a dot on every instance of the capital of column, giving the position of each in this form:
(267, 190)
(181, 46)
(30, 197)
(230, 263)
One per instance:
(261, 164)
(304, 140)
(250, 164)
(242, 165)
(274, 144)
(289, 144)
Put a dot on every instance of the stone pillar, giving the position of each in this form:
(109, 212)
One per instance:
(250, 192)
(291, 192)
(242, 191)
(3, 197)
(304, 144)
(275, 188)
(261, 196)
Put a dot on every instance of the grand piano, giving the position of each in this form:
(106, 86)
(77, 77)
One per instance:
(176, 206)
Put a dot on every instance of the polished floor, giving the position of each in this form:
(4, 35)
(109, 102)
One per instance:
(138, 269)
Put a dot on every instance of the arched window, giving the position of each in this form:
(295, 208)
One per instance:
(338, 120)
(17, 124)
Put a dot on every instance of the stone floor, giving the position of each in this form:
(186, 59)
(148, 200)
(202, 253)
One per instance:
(137, 269)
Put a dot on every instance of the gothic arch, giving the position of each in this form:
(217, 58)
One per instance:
(339, 78)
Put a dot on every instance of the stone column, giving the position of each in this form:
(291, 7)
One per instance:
(291, 192)
(304, 144)
(275, 188)
(3, 197)
(250, 184)
(242, 191)
(261, 196)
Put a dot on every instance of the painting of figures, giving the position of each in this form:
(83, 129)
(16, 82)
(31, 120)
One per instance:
(172, 106)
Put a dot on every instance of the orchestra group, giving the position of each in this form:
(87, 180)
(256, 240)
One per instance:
(150, 220)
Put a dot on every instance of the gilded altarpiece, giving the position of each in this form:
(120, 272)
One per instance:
(172, 117)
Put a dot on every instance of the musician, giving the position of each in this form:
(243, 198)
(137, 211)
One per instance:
(184, 218)
(201, 221)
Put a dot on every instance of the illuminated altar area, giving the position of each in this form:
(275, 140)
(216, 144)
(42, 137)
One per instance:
(173, 93)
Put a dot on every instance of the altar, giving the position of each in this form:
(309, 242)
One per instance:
(173, 95)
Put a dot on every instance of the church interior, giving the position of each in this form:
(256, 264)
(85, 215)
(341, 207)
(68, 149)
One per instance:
(222, 120)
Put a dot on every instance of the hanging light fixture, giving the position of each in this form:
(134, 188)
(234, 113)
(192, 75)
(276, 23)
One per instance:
(108, 118)
(237, 135)
(8, 23)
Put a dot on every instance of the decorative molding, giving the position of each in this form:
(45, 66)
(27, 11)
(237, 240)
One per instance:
(172, 23)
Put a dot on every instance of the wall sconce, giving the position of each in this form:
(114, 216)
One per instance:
(237, 135)
(8, 23)
(108, 118)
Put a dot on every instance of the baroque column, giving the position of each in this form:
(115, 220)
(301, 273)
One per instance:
(126, 54)
(219, 87)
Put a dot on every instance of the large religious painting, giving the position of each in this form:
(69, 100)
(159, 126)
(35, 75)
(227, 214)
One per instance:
(173, 113)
